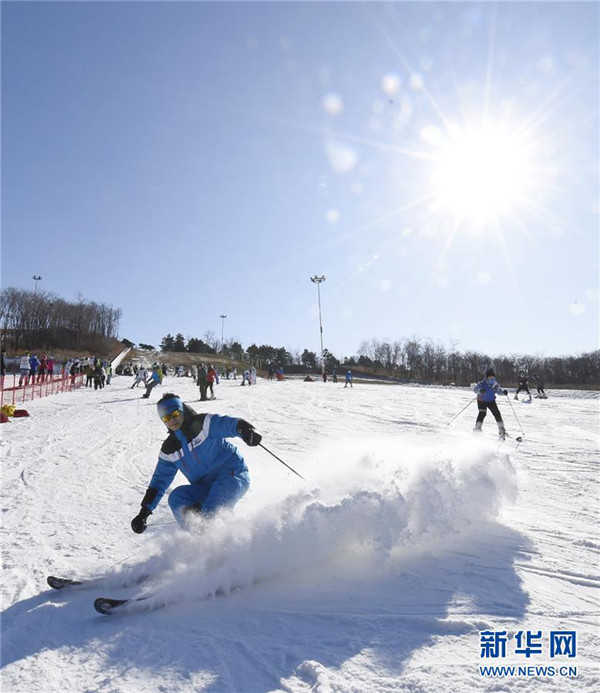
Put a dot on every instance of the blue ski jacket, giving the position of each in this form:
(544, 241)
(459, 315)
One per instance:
(487, 389)
(199, 451)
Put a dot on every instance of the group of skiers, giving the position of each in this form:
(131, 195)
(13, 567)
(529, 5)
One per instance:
(524, 387)
(97, 374)
(35, 370)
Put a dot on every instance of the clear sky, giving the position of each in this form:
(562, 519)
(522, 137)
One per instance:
(437, 162)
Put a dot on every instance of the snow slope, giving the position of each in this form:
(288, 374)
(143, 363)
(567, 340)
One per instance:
(408, 538)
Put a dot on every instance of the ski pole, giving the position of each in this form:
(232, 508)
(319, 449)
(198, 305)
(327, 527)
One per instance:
(282, 462)
(515, 413)
(461, 411)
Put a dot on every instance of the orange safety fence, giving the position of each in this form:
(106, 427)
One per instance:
(33, 387)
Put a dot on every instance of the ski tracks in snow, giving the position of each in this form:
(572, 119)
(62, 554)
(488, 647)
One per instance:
(406, 539)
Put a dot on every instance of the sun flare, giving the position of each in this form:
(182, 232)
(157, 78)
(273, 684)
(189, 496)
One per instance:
(481, 174)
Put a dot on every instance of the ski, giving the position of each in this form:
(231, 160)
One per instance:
(105, 605)
(58, 583)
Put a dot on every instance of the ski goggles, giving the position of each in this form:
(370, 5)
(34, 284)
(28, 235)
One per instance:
(172, 416)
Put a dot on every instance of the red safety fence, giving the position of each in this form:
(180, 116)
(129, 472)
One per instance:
(32, 388)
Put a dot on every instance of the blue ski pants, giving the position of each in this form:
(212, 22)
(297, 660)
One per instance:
(225, 491)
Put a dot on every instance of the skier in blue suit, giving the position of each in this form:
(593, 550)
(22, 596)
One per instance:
(486, 399)
(197, 447)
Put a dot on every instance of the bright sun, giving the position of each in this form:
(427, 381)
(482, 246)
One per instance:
(482, 174)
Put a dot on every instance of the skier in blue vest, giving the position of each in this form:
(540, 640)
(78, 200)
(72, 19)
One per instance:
(197, 447)
(486, 399)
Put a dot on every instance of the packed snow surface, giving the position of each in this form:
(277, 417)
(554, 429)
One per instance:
(408, 538)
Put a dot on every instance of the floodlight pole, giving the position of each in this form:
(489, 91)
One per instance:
(222, 328)
(318, 280)
(36, 278)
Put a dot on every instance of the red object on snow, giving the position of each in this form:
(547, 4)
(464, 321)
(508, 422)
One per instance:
(20, 412)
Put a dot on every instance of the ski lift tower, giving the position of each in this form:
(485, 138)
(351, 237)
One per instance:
(318, 280)
(222, 329)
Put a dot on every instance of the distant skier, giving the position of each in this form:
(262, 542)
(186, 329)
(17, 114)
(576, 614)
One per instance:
(541, 393)
(486, 391)
(197, 447)
(202, 382)
(348, 378)
(141, 377)
(156, 378)
(98, 374)
(523, 386)
(34, 364)
(24, 368)
(211, 377)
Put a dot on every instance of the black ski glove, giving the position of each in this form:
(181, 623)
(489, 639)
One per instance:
(138, 524)
(249, 434)
(505, 392)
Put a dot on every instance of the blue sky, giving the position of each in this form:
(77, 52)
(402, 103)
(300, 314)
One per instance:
(436, 161)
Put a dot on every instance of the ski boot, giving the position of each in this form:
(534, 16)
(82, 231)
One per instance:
(501, 430)
(478, 425)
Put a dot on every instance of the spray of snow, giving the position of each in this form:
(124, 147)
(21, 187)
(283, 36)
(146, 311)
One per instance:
(362, 508)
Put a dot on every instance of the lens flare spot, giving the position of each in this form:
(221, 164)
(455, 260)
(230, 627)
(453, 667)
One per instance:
(332, 216)
(391, 84)
(332, 104)
(342, 158)
(577, 307)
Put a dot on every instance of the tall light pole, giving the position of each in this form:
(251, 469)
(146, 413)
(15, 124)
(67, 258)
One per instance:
(222, 328)
(36, 278)
(318, 280)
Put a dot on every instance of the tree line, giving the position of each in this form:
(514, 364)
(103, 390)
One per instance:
(44, 320)
(412, 359)
(424, 360)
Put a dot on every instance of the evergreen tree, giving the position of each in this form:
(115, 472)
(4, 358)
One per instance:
(179, 342)
(308, 359)
(197, 346)
(330, 360)
(167, 343)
